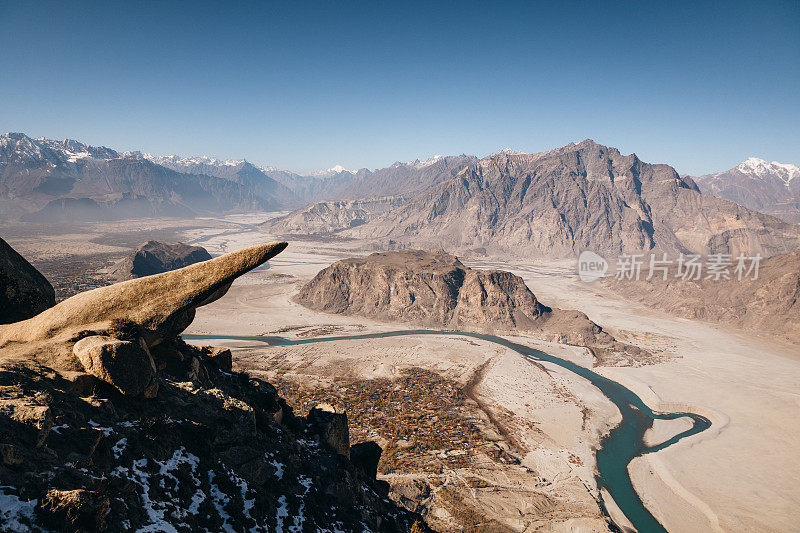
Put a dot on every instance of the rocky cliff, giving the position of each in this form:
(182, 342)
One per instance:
(109, 421)
(434, 289)
(154, 257)
(580, 196)
(24, 291)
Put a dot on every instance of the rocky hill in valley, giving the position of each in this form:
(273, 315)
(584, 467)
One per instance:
(767, 306)
(154, 257)
(49, 181)
(580, 196)
(434, 289)
(24, 291)
(330, 216)
(772, 188)
(109, 421)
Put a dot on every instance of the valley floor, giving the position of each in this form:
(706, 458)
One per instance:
(509, 445)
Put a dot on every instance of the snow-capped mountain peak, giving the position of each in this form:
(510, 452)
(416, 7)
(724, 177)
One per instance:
(54, 152)
(193, 161)
(508, 151)
(761, 169)
(428, 162)
(336, 169)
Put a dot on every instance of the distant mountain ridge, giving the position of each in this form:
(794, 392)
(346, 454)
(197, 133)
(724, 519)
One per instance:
(48, 180)
(580, 196)
(772, 188)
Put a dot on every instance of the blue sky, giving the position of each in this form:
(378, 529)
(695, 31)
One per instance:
(700, 86)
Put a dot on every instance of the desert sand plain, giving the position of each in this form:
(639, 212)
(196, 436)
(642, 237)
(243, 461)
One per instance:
(533, 465)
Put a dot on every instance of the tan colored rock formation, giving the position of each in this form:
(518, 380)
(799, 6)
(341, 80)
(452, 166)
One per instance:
(159, 307)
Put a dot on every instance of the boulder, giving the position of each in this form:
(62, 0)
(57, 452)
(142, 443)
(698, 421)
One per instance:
(24, 291)
(125, 365)
(222, 358)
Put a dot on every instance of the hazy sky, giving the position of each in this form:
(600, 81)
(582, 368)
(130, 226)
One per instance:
(700, 86)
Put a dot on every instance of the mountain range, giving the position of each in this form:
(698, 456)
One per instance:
(555, 203)
(49, 181)
(580, 196)
(772, 188)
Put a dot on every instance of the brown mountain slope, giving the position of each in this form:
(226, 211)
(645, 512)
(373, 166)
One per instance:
(580, 196)
(769, 305)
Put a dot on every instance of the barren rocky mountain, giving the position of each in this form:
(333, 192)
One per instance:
(580, 196)
(109, 421)
(772, 188)
(50, 181)
(768, 305)
(24, 291)
(331, 216)
(154, 257)
(434, 289)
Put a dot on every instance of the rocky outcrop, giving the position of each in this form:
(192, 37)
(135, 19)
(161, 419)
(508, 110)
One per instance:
(159, 307)
(434, 289)
(330, 216)
(88, 444)
(581, 196)
(125, 365)
(154, 257)
(768, 306)
(24, 291)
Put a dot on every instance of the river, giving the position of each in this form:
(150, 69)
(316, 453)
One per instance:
(617, 449)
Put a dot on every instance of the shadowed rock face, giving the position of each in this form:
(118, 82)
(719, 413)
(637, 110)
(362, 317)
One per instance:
(154, 257)
(24, 291)
(160, 306)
